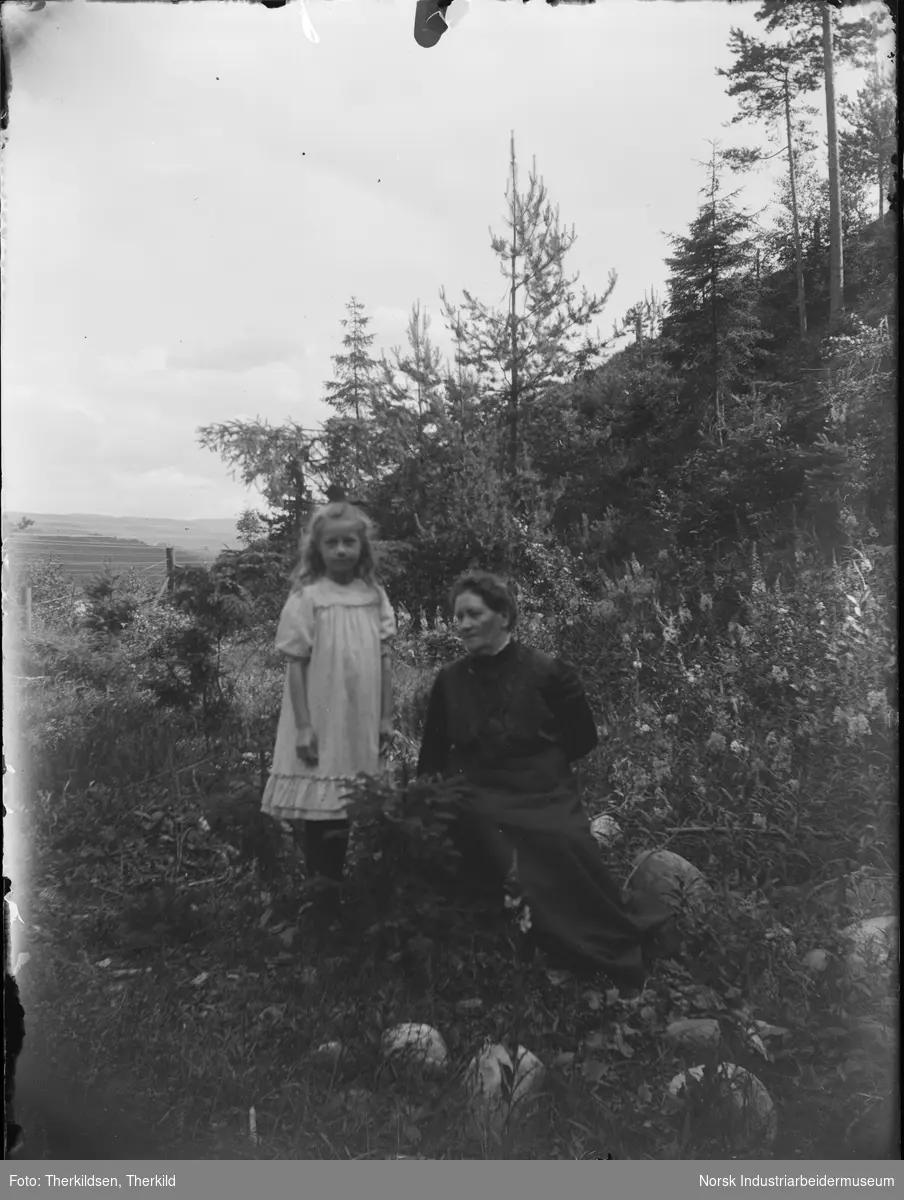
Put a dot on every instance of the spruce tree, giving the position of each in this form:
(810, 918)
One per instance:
(349, 460)
(712, 332)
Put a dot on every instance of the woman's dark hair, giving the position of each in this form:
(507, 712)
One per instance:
(493, 591)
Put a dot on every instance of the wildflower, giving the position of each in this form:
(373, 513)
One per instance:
(645, 728)
(524, 922)
(759, 821)
(671, 719)
(876, 700)
(737, 747)
(716, 742)
(779, 674)
(859, 725)
(706, 602)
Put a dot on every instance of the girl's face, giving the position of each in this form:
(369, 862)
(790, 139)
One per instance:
(340, 547)
(481, 628)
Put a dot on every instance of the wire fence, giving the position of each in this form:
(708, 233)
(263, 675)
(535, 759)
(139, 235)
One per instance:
(24, 600)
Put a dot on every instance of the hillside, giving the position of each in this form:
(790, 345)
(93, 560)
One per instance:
(204, 537)
(82, 557)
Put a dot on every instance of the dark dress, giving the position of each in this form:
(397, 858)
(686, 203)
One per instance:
(510, 725)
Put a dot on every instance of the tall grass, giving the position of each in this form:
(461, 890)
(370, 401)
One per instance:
(757, 742)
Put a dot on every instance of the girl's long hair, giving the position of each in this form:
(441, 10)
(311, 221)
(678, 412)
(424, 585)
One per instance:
(311, 565)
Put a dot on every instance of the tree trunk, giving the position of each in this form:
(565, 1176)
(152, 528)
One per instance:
(836, 253)
(513, 396)
(795, 222)
(713, 283)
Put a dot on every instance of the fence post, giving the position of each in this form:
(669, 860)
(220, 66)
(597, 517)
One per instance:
(170, 569)
(28, 610)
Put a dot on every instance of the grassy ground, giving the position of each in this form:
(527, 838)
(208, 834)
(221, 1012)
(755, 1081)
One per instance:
(177, 981)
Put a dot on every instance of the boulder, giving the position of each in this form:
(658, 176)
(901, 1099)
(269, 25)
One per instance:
(419, 1043)
(874, 945)
(698, 1033)
(669, 878)
(496, 1086)
(815, 961)
(606, 830)
(752, 1118)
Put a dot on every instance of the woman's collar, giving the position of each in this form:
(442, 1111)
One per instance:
(503, 654)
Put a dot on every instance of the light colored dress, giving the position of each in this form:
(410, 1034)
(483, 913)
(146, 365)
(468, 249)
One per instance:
(342, 628)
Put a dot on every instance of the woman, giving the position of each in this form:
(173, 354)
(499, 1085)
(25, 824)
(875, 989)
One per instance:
(510, 720)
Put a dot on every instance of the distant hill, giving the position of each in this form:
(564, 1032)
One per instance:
(207, 537)
(85, 543)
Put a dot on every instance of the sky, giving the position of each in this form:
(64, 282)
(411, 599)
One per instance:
(193, 192)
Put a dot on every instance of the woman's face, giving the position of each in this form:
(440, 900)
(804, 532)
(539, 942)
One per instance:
(481, 628)
(340, 548)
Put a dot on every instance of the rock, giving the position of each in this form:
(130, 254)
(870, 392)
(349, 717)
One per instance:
(529, 1075)
(815, 961)
(606, 830)
(701, 1033)
(874, 944)
(421, 1043)
(474, 1005)
(329, 1052)
(771, 1032)
(490, 1076)
(753, 1121)
(670, 878)
(867, 891)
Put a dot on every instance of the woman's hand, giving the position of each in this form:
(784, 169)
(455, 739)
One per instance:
(387, 736)
(306, 745)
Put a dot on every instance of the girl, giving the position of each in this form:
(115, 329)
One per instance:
(336, 719)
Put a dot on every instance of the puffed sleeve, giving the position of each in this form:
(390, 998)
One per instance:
(434, 752)
(295, 632)
(567, 700)
(387, 618)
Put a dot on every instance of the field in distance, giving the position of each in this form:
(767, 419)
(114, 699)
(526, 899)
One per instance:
(204, 537)
(85, 543)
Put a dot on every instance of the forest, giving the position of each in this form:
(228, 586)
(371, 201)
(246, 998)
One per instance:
(699, 512)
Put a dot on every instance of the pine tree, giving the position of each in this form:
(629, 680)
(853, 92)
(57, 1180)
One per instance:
(712, 331)
(541, 336)
(819, 41)
(767, 80)
(644, 320)
(411, 403)
(868, 143)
